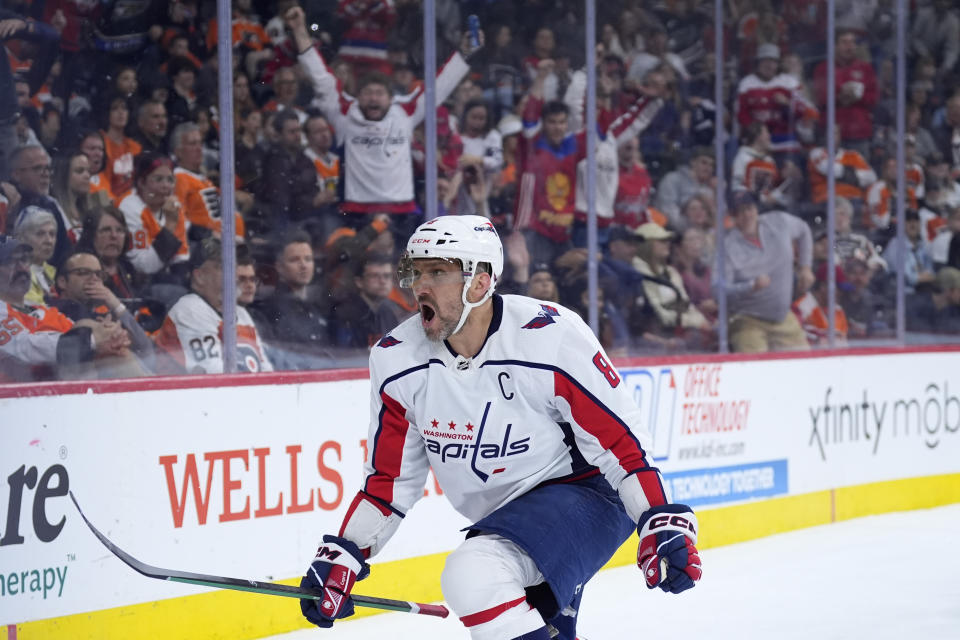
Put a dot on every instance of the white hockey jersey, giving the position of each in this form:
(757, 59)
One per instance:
(377, 158)
(539, 403)
(192, 333)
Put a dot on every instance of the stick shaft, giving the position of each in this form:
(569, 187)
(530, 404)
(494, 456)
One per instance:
(255, 586)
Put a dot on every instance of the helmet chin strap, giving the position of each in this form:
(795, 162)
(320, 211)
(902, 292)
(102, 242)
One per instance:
(468, 306)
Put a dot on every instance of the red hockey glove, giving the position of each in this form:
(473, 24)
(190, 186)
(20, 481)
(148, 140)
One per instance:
(667, 555)
(337, 566)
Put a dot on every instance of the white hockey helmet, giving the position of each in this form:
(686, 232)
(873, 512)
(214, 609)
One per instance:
(471, 240)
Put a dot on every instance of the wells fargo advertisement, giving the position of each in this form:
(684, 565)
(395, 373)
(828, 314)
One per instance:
(242, 481)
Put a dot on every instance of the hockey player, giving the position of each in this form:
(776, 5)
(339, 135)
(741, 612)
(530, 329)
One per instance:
(530, 433)
(375, 128)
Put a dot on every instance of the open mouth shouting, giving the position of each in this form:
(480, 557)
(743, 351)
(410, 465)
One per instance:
(428, 314)
(436, 326)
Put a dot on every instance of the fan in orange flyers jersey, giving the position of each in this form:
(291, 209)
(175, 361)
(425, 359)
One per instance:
(200, 197)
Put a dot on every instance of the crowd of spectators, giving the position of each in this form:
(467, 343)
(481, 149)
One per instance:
(110, 209)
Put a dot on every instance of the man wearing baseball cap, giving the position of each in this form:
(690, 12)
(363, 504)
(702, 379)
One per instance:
(671, 305)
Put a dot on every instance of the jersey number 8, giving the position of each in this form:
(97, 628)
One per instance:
(606, 369)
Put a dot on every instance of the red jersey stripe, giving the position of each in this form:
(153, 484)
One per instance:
(388, 449)
(649, 480)
(378, 207)
(599, 422)
(487, 615)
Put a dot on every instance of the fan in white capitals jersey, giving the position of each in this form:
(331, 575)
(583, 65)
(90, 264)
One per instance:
(375, 128)
(531, 435)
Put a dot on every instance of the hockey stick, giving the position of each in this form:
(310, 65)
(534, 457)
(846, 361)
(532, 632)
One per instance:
(254, 586)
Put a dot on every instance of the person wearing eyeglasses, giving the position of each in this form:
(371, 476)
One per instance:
(247, 281)
(82, 294)
(286, 87)
(37, 228)
(105, 235)
(32, 169)
(368, 314)
(32, 176)
(41, 343)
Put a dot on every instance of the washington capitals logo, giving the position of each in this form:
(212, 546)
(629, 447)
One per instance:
(388, 341)
(452, 447)
(544, 318)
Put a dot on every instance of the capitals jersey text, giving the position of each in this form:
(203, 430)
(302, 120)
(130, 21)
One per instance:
(540, 403)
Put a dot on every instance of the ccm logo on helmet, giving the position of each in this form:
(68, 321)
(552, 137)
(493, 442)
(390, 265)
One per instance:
(676, 521)
(419, 240)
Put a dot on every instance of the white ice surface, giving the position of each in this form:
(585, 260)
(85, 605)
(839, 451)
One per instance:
(885, 577)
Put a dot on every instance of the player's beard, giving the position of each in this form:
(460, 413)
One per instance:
(441, 325)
